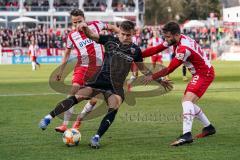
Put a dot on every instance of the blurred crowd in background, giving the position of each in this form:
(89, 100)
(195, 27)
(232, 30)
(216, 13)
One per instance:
(62, 5)
(56, 38)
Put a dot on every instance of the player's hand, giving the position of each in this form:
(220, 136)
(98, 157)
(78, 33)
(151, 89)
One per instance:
(81, 26)
(147, 79)
(167, 84)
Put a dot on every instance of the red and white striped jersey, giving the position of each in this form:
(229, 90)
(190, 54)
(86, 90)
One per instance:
(154, 41)
(192, 56)
(33, 50)
(89, 53)
(136, 39)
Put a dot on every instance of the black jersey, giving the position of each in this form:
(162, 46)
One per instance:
(118, 58)
(117, 63)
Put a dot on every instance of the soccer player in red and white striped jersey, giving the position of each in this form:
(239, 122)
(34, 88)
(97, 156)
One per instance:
(154, 41)
(89, 60)
(189, 53)
(33, 52)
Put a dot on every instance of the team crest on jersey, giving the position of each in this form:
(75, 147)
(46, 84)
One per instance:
(180, 56)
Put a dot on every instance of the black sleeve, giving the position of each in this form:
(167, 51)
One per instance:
(103, 39)
(138, 57)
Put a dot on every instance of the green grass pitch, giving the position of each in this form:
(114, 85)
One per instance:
(140, 132)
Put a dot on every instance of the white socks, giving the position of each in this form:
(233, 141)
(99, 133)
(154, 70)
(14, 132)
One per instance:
(33, 66)
(67, 116)
(201, 116)
(48, 116)
(87, 108)
(188, 116)
(190, 111)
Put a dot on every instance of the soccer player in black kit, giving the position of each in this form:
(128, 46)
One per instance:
(120, 52)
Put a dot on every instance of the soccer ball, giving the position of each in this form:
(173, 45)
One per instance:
(71, 137)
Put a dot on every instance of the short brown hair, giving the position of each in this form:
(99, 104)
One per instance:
(127, 25)
(171, 27)
(77, 12)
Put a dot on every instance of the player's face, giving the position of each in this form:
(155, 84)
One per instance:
(125, 37)
(170, 38)
(77, 20)
(155, 34)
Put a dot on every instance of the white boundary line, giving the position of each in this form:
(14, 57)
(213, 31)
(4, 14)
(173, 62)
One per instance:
(28, 94)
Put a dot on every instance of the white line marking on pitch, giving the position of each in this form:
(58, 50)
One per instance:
(28, 94)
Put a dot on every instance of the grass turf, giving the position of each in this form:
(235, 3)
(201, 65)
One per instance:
(140, 132)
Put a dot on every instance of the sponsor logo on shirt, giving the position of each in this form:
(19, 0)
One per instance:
(85, 42)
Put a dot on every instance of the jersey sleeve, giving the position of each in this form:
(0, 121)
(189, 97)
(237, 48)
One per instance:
(69, 42)
(175, 63)
(154, 50)
(182, 53)
(101, 25)
(138, 57)
(103, 39)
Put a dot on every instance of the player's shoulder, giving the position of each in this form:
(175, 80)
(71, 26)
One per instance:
(186, 42)
(95, 23)
(135, 48)
(74, 31)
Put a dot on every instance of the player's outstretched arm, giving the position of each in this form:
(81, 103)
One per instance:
(144, 70)
(154, 50)
(175, 63)
(63, 64)
(84, 27)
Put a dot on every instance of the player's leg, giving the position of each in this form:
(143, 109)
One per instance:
(65, 105)
(160, 59)
(188, 116)
(195, 89)
(79, 77)
(68, 113)
(114, 102)
(33, 63)
(208, 129)
(38, 63)
(87, 73)
(154, 62)
(90, 106)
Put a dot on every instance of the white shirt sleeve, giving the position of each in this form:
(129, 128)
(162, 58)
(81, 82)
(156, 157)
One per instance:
(69, 42)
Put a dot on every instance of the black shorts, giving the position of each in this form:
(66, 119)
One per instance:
(105, 86)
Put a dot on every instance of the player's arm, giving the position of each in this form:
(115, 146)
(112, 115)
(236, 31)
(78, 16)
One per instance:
(143, 69)
(91, 35)
(113, 28)
(154, 50)
(65, 59)
(165, 83)
(175, 63)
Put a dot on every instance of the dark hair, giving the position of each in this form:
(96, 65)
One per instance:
(77, 12)
(171, 27)
(127, 25)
